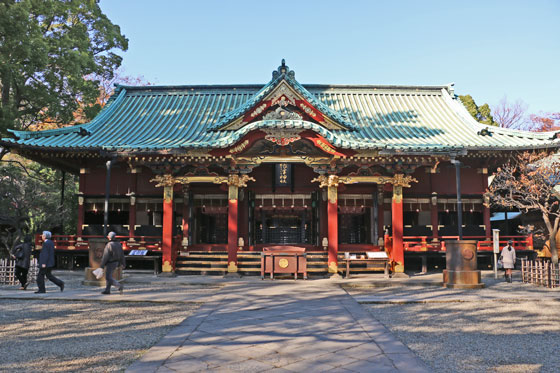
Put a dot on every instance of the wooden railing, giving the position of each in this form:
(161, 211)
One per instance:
(426, 243)
(540, 272)
(74, 242)
(8, 273)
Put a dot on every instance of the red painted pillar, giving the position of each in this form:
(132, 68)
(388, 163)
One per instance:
(232, 227)
(186, 213)
(397, 223)
(167, 237)
(332, 216)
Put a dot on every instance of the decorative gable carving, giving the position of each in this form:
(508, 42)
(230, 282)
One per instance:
(283, 98)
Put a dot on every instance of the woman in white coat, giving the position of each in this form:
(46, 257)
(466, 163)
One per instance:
(508, 259)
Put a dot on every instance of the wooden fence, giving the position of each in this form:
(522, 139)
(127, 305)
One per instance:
(540, 272)
(8, 270)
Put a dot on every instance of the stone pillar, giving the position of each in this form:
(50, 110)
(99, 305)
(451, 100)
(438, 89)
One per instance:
(167, 236)
(332, 217)
(397, 223)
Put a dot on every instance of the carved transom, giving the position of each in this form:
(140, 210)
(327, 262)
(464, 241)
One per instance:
(282, 113)
(283, 96)
(282, 136)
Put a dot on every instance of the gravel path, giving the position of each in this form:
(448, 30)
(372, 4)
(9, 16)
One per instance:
(497, 335)
(70, 336)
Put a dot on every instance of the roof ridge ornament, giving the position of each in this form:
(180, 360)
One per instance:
(283, 69)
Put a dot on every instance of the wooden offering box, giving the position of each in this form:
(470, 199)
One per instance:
(284, 259)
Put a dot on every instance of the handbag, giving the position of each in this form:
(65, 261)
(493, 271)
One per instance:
(98, 273)
(500, 263)
(19, 253)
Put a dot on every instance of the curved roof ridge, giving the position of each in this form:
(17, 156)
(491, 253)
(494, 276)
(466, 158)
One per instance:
(462, 112)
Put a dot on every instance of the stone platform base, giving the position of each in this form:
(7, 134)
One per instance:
(90, 279)
(462, 279)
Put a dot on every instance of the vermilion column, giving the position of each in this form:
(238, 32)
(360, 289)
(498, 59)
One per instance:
(233, 193)
(332, 216)
(397, 223)
(185, 211)
(234, 182)
(167, 237)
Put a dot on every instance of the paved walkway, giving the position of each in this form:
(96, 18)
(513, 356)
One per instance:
(280, 327)
(251, 325)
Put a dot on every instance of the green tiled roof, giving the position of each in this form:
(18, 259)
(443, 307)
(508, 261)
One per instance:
(408, 119)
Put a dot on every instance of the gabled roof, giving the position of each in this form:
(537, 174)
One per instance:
(389, 118)
(283, 79)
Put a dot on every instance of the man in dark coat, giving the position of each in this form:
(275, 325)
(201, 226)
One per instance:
(46, 264)
(113, 256)
(22, 255)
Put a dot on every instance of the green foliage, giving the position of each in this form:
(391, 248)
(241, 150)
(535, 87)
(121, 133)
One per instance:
(30, 201)
(481, 114)
(46, 49)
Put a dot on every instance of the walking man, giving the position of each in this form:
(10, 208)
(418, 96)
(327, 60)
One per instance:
(46, 264)
(113, 256)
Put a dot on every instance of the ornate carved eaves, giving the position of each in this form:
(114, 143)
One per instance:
(333, 180)
(167, 180)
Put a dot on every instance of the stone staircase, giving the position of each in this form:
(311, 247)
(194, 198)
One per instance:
(249, 264)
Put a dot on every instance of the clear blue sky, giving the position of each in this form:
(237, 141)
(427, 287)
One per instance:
(488, 48)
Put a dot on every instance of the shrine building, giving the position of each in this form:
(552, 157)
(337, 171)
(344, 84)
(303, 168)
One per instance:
(230, 169)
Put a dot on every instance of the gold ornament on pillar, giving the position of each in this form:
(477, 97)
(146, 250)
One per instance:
(166, 267)
(331, 183)
(232, 267)
(164, 180)
(399, 181)
(402, 180)
(235, 182)
(397, 193)
(239, 181)
(167, 194)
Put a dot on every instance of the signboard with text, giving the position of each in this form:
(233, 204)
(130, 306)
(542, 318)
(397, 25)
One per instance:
(283, 175)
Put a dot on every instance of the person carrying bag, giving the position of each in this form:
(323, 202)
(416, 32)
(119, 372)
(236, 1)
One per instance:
(507, 257)
(22, 254)
(113, 256)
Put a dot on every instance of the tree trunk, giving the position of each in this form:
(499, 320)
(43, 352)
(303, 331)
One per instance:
(554, 249)
(552, 231)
